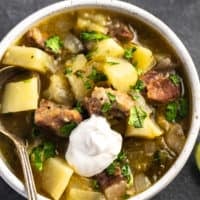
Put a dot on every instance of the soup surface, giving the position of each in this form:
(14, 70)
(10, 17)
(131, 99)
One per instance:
(102, 102)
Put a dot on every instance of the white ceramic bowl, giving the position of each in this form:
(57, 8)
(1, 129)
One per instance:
(168, 34)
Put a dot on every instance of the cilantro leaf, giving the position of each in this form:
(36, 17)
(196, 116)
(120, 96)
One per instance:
(93, 36)
(68, 70)
(95, 185)
(67, 128)
(88, 84)
(111, 97)
(160, 156)
(137, 117)
(54, 43)
(175, 79)
(112, 63)
(122, 156)
(97, 76)
(106, 107)
(41, 153)
(79, 73)
(110, 170)
(126, 172)
(183, 108)
(128, 53)
(171, 111)
(176, 110)
(79, 107)
(139, 86)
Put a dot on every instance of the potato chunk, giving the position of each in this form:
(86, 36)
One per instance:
(55, 177)
(29, 58)
(78, 72)
(121, 74)
(78, 194)
(59, 90)
(21, 95)
(107, 47)
(143, 59)
(91, 21)
(150, 130)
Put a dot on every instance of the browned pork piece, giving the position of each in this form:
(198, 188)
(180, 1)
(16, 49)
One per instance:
(36, 38)
(159, 87)
(114, 187)
(120, 103)
(120, 31)
(53, 117)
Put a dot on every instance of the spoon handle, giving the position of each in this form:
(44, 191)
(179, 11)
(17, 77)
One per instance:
(28, 175)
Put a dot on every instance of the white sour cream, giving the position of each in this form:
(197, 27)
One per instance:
(93, 146)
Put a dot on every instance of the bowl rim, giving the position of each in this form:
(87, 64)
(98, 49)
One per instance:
(159, 26)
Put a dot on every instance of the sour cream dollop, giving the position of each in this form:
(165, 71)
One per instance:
(93, 146)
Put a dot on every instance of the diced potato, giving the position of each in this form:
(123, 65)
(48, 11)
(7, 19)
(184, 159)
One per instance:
(91, 21)
(59, 90)
(29, 58)
(21, 95)
(107, 47)
(150, 130)
(55, 177)
(121, 74)
(80, 182)
(78, 194)
(143, 58)
(77, 83)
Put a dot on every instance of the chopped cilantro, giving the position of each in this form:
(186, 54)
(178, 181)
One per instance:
(171, 111)
(68, 71)
(160, 157)
(67, 128)
(126, 172)
(175, 79)
(121, 156)
(88, 85)
(110, 170)
(54, 43)
(137, 117)
(93, 36)
(121, 163)
(139, 86)
(128, 53)
(106, 107)
(182, 109)
(41, 153)
(79, 73)
(79, 107)
(176, 110)
(126, 196)
(112, 63)
(95, 185)
(111, 97)
(97, 76)
(90, 53)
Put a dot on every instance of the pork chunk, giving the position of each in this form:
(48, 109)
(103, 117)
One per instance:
(160, 88)
(120, 31)
(53, 117)
(114, 187)
(122, 104)
(36, 38)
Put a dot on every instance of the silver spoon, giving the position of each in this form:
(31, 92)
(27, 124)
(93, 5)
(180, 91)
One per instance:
(7, 73)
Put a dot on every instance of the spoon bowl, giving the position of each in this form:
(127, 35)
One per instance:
(6, 74)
